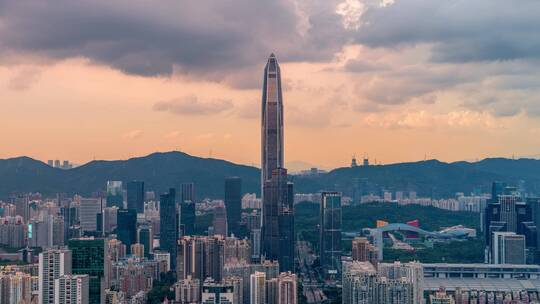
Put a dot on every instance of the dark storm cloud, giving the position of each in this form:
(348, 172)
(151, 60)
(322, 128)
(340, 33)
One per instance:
(200, 38)
(461, 30)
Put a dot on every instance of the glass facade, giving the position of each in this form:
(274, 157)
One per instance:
(88, 257)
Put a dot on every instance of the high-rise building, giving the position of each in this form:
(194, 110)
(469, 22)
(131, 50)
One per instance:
(21, 206)
(145, 238)
(15, 287)
(217, 293)
(71, 289)
(287, 288)
(187, 218)
(330, 233)
(188, 193)
(277, 193)
(392, 284)
(237, 250)
(508, 213)
(508, 248)
(364, 251)
(115, 194)
(278, 221)
(233, 203)
(271, 291)
(168, 234)
(220, 221)
(89, 208)
(88, 257)
(187, 291)
(258, 288)
(238, 288)
(137, 250)
(135, 196)
(126, 229)
(272, 120)
(53, 264)
(201, 257)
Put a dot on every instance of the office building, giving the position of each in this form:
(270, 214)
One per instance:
(220, 220)
(89, 208)
(188, 193)
(126, 229)
(506, 212)
(187, 218)
(135, 196)
(168, 227)
(233, 203)
(508, 248)
(278, 220)
(145, 238)
(330, 233)
(71, 289)
(115, 194)
(53, 264)
(88, 258)
(287, 288)
(258, 288)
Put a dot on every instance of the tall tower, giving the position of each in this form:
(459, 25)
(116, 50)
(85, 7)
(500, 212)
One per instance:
(277, 192)
(272, 120)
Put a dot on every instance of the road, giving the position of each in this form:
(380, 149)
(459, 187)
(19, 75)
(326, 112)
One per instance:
(307, 275)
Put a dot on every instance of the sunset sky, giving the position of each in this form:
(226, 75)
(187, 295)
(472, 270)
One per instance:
(397, 80)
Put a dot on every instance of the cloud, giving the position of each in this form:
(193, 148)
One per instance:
(133, 134)
(191, 105)
(200, 39)
(24, 79)
(425, 120)
(460, 30)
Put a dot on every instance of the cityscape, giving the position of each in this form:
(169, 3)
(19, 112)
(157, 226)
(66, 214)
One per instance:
(187, 228)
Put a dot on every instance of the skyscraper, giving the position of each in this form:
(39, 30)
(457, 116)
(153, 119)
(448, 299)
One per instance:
(277, 192)
(88, 257)
(53, 264)
(508, 248)
(127, 227)
(330, 233)
(135, 196)
(233, 203)
(115, 196)
(188, 193)
(220, 220)
(71, 289)
(168, 234)
(88, 210)
(272, 120)
(258, 288)
(287, 288)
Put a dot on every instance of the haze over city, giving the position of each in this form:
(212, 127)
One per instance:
(395, 80)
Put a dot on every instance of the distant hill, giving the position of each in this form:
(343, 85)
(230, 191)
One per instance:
(161, 171)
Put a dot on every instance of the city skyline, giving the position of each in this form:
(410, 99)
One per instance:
(351, 81)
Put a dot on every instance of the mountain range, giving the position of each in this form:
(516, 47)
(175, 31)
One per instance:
(161, 171)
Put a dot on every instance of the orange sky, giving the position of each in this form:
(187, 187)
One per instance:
(393, 103)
